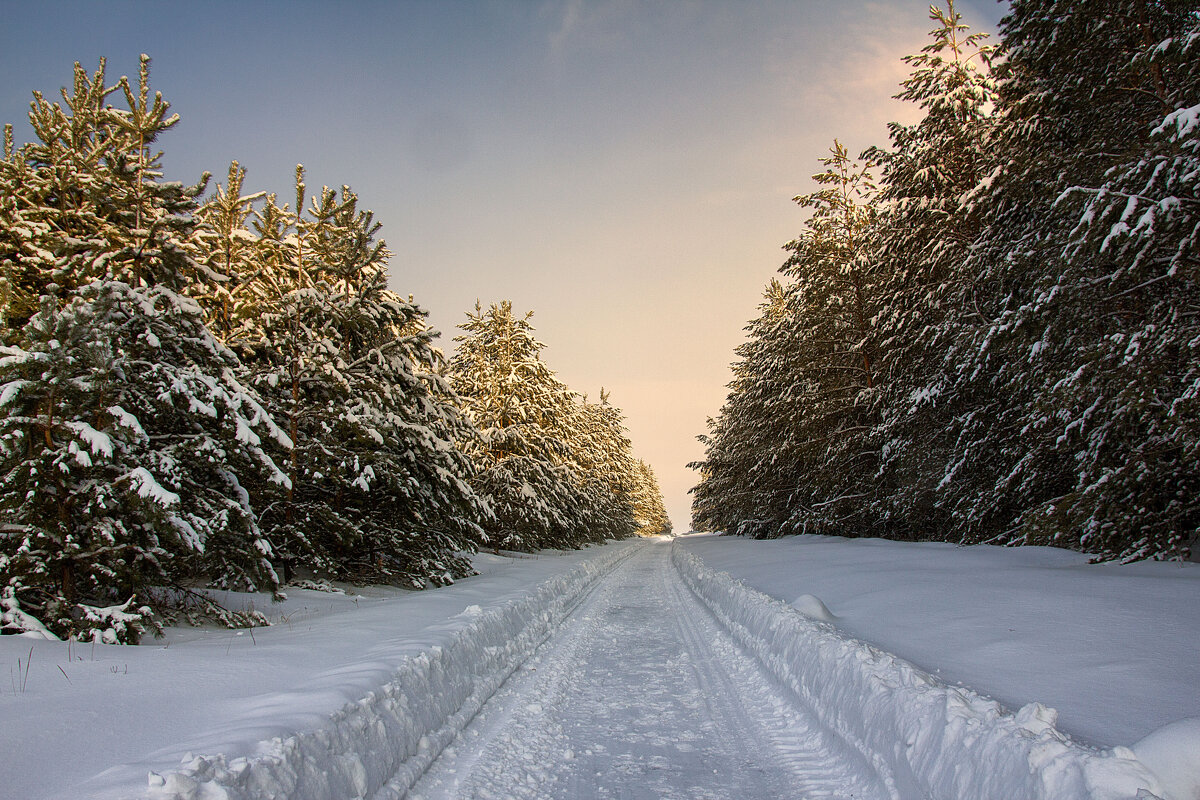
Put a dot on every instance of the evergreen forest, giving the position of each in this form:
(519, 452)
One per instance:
(217, 389)
(988, 330)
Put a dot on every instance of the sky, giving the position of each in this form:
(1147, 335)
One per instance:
(623, 168)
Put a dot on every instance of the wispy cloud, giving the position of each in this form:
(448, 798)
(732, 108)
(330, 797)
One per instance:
(569, 24)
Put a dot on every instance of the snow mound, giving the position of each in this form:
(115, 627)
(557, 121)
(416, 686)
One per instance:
(381, 744)
(926, 739)
(1172, 753)
(811, 606)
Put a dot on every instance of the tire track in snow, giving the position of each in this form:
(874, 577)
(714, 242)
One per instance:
(642, 694)
(822, 764)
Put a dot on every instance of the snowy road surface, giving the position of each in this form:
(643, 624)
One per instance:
(630, 670)
(641, 694)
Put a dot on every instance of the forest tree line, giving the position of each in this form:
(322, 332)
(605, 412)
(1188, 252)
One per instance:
(219, 390)
(989, 330)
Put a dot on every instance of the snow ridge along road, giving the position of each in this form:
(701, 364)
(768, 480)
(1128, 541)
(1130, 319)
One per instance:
(925, 739)
(377, 746)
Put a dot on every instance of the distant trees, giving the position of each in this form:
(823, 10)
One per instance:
(1030, 297)
(750, 467)
(222, 391)
(648, 510)
(557, 471)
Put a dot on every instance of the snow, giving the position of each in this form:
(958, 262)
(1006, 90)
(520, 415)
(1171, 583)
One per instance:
(125, 419)
(867, 668)
(151, 489)
(11, 613)
(1111, 646)
(1183, 121)
(1108, 649)
(10, 390)
(1172, 752)
(813, 607)
(926, 738)
(99, 442)
(642, 694)
(110, 624)
(95, 720)
(245, 434)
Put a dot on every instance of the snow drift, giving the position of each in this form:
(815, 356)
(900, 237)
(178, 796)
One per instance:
(378, 746)
(926, 739)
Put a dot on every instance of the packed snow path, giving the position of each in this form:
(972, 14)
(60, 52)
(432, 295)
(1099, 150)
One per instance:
(642, 672)
(640, 693)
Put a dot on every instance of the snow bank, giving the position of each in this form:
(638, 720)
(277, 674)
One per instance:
(379, 745)
(926, 739)
(1173, 754)
(1111, 647)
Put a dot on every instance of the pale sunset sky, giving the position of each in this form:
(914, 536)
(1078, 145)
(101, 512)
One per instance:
(624, 168)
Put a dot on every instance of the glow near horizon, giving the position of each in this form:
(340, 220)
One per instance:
(624, 169)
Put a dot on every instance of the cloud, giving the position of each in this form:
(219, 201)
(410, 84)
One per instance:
(572, 20)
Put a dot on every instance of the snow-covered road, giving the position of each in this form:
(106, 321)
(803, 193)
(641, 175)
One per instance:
(636, 669)
(642, 694)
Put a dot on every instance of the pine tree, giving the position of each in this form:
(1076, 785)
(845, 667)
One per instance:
(378, 489)
(232, 257)
(921, 243)
(606, 472)
(836, 350)
(25, 237)
(1083, 342)
(86, 202)
(750, 468)
(522, 411)
(792, 450)
(122, 448)
(1028, 367)
(127, 434)
(649, 512)
(1137, 487)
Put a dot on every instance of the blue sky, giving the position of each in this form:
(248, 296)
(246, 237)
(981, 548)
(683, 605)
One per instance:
(624, 168)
